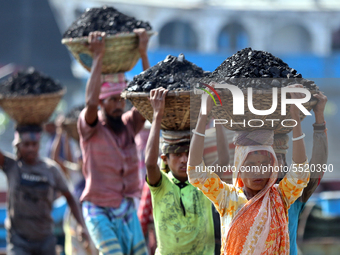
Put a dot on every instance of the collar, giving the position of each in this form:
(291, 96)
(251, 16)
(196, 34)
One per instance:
(176, 181)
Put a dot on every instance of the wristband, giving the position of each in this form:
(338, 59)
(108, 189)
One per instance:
(196, 133)
(299, 138)
(320, 126)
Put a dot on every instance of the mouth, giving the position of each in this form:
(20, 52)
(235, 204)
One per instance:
(257, 181)
(117, 112)
(183, 169)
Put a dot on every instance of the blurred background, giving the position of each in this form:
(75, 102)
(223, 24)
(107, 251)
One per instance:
(305, 34)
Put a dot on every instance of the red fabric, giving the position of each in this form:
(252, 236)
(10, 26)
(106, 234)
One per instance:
(110, 161)
(145, 209)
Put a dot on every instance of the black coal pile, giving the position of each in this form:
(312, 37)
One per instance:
(105, 19)
(173, 73)
(74, 113)
(246, 66)
(29, 82)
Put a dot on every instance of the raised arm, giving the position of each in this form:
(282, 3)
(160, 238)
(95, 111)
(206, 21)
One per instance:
(222, 146)
(97, 47)
(209, 183)
(56, 146)
(299, 150)
(157, 99)
(197, 141)
(67, 148)
(297, 178)
(320, 148)
(143, 46)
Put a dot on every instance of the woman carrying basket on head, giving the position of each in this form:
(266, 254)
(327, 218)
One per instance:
(254, 209)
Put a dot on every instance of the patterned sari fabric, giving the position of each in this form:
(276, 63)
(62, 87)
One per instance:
(260, 227)
(257, 226)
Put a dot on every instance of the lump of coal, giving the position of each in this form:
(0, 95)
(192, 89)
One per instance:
(173, 73)
(29, 81)
(244, 67)
(105, 19)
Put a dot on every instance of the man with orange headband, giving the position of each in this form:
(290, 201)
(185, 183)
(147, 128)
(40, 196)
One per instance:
(110, 162)
(32, 186)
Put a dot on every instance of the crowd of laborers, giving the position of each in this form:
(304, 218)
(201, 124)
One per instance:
(257, 213)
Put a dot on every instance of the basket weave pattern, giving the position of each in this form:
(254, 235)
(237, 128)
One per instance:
(121, 52)
(179, 107)
(262, 100)
(31, 109)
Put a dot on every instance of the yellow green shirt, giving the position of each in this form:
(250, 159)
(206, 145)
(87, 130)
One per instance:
(185, 228)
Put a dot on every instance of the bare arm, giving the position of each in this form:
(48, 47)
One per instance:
(76, 211)
(143, 46)
(222, 146)
(292, 185)
(97, 47)
(56, 146)
(197, 141)
(222, 149)
(320, 148)
(157, 99)
(299, 150)
(209, 183)
(67, 148)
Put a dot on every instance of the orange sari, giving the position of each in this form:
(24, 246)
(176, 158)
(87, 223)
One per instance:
(257, 226)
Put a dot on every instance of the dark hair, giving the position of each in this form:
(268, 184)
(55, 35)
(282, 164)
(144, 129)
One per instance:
(28, 128)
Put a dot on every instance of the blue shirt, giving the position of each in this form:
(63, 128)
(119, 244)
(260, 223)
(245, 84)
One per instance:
(293, 220)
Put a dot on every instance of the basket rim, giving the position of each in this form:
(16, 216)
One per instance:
(84, 39)
(30, 96)
(128, 94)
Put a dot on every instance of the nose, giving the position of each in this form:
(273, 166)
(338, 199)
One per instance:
(184, 158)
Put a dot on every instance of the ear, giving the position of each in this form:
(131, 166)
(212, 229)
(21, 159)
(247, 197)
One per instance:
(164, 158)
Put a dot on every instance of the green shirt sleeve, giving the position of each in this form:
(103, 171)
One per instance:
(160, 187)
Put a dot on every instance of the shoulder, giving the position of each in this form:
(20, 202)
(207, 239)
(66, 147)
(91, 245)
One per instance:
(9, 160)
(164, 183)
(9, 156)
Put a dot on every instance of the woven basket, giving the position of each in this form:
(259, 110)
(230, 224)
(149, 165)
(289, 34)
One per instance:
(121, 52)
(31, 109)
(262, 100)
(179, 107)
(70, 127)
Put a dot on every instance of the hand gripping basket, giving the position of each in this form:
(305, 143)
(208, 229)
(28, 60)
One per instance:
(31, 109)
(262, 100)
(121, 52)
(179, 106)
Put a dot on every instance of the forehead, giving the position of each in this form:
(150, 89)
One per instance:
(253, 158)
(29, 142)
(178, 154)
(113, 97)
